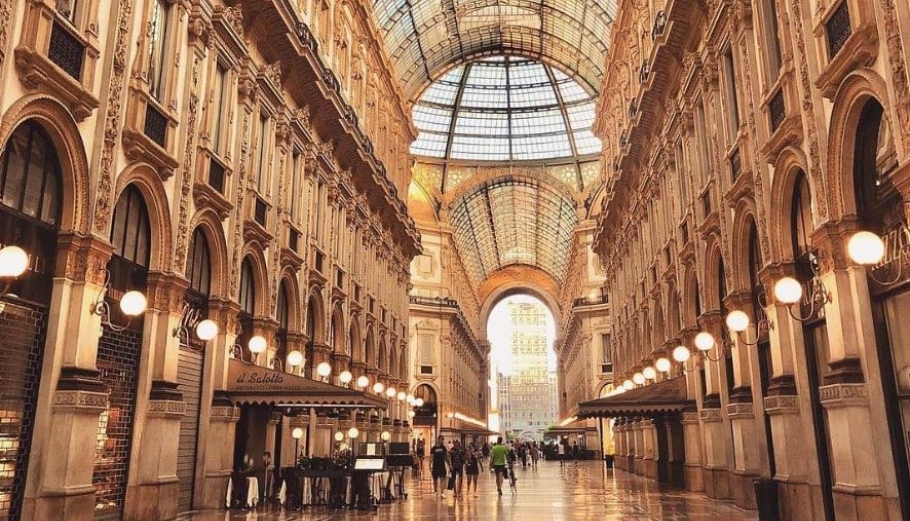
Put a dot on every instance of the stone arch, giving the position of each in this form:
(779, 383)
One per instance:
(743, 222)
(355, 339)
(403, 365)
(63, 132)
(314, 325)
(209, 224)
(253, 251)
(711, 285)
(338, 340)
(431, 392)
(148, 182)
(788, 169)
(851, 99)
(369, 347)
(288, 279)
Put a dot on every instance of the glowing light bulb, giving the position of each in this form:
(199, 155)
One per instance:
(788, 290)
(737, 321)
(257, 345)
(133, 303)
(681, 354)
(378, 387)
(295, 358)
(13, 261)
(363, 382)
(628, 385)
(206, 330)
(638, 378)
(663, 365)
(704, 341)
(391, 392)
(864, 248)
(345, 377)
(386, 435)
(418, 402)
(353, 432)
(297, 433)
(339, 436)
(649, 373)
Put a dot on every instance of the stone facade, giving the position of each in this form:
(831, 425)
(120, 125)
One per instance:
(747, 142)
(272, 128)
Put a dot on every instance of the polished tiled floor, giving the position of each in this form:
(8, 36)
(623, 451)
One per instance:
(585, 492)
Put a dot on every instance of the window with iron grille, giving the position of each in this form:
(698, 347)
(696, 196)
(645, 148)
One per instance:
(216, 175)
(777, 110)
(66, 51)
(838, 29)
(155, 125)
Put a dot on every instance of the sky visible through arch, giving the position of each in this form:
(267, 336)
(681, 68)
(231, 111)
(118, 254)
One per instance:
(499, 333)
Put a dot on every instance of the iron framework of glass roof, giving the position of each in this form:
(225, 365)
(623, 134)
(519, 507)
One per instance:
(505, 108)
(425, 37)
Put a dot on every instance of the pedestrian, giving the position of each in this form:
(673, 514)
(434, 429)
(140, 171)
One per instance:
(485, 450)
(439, 455)
(456, 463)
(523, 454)
(420, 450)
(535, 454)
(473, 467)
(561, 452)
(576, 452)
(512, 458)
(498, 459)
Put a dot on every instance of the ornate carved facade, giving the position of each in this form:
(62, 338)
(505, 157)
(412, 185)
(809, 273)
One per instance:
(742, 139)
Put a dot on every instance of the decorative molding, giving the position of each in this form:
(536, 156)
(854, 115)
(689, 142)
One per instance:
(84, 402)
(838, 396)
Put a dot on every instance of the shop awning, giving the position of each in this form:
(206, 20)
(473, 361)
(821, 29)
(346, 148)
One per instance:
(576, 427)
(253, 384)
(651, 400)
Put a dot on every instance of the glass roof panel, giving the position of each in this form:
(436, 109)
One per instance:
(505, 108)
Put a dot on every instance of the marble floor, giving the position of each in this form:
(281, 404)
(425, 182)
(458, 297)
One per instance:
(587, 491)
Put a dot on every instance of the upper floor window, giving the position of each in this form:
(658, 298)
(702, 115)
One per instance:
(732, 103)
(772, 39)
(262, 180)
(294, 196)
(158, 28)
(199, 266)
(67, 9)
(218, 104)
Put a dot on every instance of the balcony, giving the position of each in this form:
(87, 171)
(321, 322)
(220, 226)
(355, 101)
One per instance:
(442, 302)
(589, 301)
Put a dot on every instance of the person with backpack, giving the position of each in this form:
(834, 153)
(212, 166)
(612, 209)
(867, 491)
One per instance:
(439, 458)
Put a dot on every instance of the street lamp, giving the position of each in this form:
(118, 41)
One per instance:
(378, 387)
(353, 433)
(132, 303)
(257, 346)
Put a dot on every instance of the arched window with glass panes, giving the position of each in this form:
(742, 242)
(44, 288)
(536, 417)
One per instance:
(247, 300)
(199, 274)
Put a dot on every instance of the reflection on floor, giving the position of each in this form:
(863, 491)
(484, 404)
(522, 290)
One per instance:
(586, 492)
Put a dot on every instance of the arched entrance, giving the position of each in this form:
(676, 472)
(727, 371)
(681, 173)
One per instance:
(119, 351)
(425, 422)
(30, 213)
(190, 363)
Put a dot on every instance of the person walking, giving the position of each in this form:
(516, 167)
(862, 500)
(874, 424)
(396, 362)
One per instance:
(485, 450)
(535, 454)
(456, 463)
(498, 456)
(420, 450)
(561, 452)
(576, 452)
(440, 456)
(473, 467)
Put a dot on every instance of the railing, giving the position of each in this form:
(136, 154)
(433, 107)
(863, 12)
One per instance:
(216, 175)
(777, 110)
(587, 301)
(306, 37)
(155, 125)
(434, 301)
(330, 79)
(66, 51)
(838, 29)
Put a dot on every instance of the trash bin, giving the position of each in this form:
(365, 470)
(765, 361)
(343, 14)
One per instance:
(766, 499)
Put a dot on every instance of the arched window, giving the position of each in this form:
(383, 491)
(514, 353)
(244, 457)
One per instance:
(311, 338)
(131, 238)
(30, 188)
(198, 272)
(801, 217)
(247, 300)
(281, 336)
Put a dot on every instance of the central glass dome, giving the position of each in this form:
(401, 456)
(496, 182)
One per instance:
(505, 108)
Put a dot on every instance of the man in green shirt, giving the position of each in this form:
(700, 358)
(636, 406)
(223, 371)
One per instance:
(498, 455)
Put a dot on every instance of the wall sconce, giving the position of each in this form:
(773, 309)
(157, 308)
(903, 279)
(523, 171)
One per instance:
(638, 378)
(363, 382)
(386, 435)
(418, 402)
(339, 436)
(867, 249)
(402, 396)
(663, 365)
(410, 399)
(257, 345)
(705, 342)
(789, 291)
(190, 320)
(628, 385)
(378, 387)
(13, 263)
(345, 378)
(132, 304)
(738, 322)
(390, 392)
(649, 373)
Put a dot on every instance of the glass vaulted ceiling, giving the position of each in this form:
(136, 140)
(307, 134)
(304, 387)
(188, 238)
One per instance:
(504, 108)
(424, 38)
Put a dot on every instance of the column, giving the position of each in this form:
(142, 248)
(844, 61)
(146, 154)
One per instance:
(694, 449)
(59, 482)
(219, 454)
